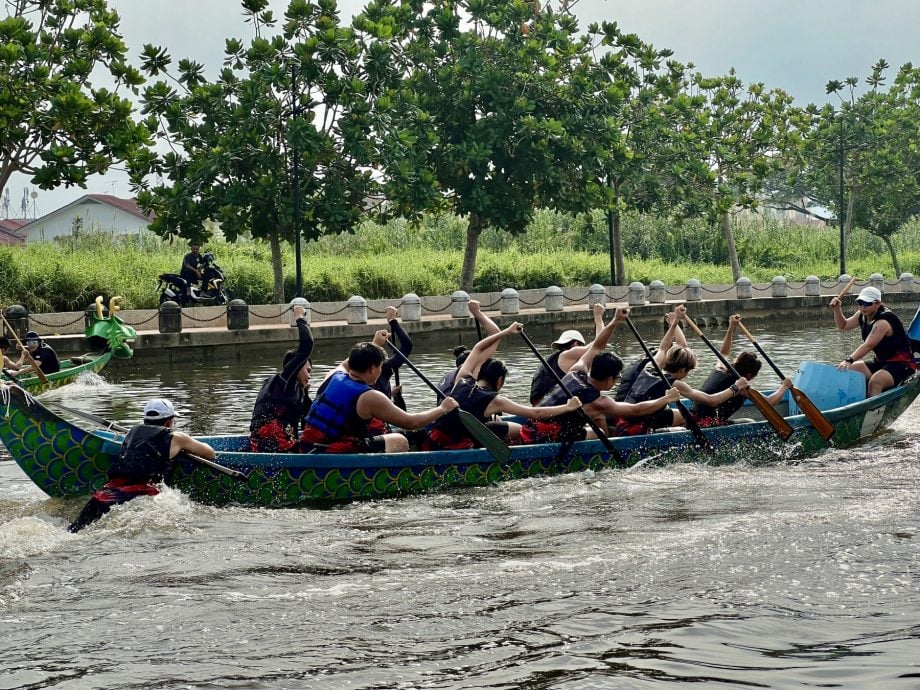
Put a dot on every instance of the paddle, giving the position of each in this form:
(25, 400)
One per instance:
(479, 431)
(817, 419)
(691, 423)
(846, 289)
(591, 423)
(115, 426)
(780, 425)
(35, 366)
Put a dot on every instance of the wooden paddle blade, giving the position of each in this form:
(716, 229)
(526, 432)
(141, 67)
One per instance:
(492, 443)
(814, 415)
(780, 425)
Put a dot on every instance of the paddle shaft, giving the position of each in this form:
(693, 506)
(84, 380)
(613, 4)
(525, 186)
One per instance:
(35, 366)
(691, 423)
(490, 441)
(591, 423)
(780, 425)
(846, 289)
(815, 416)
(114, 426)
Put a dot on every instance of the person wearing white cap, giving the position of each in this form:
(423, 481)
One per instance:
(883, 334)
(146, 458)
(570, 347)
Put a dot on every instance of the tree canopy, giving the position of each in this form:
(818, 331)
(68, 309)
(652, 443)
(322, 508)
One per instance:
(55, 124)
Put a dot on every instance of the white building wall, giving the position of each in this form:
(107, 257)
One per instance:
(96, 218)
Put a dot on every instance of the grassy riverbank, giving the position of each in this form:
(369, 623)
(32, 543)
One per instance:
(389, 261)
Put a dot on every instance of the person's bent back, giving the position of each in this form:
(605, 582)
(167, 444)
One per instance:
(339, 419)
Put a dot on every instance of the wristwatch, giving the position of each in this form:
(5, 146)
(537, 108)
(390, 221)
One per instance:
(849, 360)
(734, 389)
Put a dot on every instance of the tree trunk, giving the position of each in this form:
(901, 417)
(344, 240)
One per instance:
(730, 243)
(277, 272)
(473, 231)
(894, 255)
(618, 248)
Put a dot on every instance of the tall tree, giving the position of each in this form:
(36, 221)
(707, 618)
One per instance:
(302, 96)
(863, 158)
(55, 125)
(741, 134)
(652, 121)
(503, 110)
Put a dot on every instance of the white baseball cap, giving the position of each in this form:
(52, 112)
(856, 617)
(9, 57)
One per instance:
(870, 294)
(159, 408)
(569, 336)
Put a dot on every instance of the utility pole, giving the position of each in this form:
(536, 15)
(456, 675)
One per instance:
(295, 182)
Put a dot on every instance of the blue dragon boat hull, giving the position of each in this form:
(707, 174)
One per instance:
(65, 459)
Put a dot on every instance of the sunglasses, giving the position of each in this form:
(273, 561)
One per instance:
(863, 303)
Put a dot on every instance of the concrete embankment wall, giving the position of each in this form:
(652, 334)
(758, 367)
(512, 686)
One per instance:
(206, 337)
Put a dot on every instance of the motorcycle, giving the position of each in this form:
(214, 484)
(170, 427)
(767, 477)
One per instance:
(174, 288)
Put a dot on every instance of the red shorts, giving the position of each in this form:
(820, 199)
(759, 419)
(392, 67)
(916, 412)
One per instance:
(272, 437)
(438, 440)
(314, 439)
(549, 431)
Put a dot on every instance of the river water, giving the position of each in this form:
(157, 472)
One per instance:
(800, 574)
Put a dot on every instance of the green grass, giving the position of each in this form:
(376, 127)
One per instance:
(388, 261)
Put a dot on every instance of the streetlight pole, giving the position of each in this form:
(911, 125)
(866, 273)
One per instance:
(840, 212)
(295, 183)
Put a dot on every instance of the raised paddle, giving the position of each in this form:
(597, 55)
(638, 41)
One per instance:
(846, 289)
(479, 431)
(115, 426)
(35, 366)
(814, 415)
(691, 423)
(782, 428)
(591, 423)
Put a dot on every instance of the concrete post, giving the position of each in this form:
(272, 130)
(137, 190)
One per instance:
(554, 298)
(460, 304)
(744, 288)
(17, 316)
(812, 286)
(170, 320)
(907, 283)
(411, 308)
(511, 303)
(844, 279)
(89, 315)
(694, 290)
(303, 303)
(656, 294)
(778, 287)
(597, 294)
(356, 309)
(877, 280)
(237, 315)
(636, 295)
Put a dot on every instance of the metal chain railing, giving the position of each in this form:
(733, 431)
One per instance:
(55, 325)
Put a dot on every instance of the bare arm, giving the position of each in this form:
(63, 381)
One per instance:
(567, 358)
(842, 322)
(726, 348)
(182, 441)
(489, 327)
(674, 334)
(484, 349)
(600, 341)
(502, 404)
(611, 408)
(711, 399)
(373, 403)
(776, 396)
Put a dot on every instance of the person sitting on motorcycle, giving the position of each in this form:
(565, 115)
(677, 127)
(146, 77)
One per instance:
(190, 270)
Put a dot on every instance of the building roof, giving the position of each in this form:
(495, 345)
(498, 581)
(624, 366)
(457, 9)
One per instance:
(9, 230)
(129, 206)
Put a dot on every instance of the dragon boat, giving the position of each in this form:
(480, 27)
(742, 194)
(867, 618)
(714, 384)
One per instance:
(65, 459)
(106, 336)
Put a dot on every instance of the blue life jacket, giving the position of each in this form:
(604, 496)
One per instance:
(334, 412)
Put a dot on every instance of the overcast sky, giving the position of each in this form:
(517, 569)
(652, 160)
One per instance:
(797, 45)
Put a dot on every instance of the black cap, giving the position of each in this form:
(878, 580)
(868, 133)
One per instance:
(31, 335)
